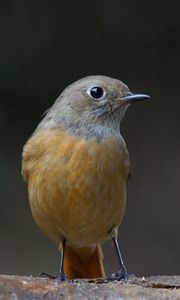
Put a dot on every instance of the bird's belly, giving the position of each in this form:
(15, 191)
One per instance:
(81, 217)
(79, 199)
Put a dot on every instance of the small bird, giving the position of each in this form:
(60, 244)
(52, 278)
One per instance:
(77, 166)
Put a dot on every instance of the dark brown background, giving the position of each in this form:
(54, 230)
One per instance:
(44, 46)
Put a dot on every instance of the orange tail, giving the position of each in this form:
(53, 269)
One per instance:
(86, 262)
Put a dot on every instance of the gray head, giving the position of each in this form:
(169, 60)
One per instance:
(91, 107)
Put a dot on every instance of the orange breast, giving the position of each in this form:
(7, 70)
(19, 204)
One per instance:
(77, 187)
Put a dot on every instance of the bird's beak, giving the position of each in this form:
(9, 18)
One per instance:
(134, 98)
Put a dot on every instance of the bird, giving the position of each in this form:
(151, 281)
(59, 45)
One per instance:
(77, 165)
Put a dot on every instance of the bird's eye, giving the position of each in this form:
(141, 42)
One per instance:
(96, 92)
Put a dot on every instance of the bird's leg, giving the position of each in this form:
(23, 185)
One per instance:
(122, 273)
(61, 276)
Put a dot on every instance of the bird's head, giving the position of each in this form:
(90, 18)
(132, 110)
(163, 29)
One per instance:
(91, 106)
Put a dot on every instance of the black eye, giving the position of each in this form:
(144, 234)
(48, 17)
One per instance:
(96, 92)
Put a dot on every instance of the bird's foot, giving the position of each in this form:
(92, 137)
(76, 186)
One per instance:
(47, 275)
(121, 275)
(59, 278)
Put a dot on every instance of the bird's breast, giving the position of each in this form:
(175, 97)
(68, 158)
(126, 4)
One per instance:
(77, 187)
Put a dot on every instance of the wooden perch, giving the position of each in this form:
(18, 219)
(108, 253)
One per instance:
(155, 287)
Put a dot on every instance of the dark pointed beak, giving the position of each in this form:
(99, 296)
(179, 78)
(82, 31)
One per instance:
(135, 98)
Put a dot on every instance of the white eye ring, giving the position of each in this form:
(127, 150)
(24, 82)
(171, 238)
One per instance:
(96, 92)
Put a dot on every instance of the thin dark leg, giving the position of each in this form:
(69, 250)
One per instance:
(61, 275)
(122, 273)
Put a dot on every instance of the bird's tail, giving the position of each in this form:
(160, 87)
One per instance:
(86, 262)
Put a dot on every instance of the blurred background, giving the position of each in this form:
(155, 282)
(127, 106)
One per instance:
(44, 46)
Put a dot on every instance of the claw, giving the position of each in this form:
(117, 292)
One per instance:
(46, 275)
(59, 278)
(121, 275)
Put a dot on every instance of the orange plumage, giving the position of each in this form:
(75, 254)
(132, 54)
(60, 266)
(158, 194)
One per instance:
(62, 173)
